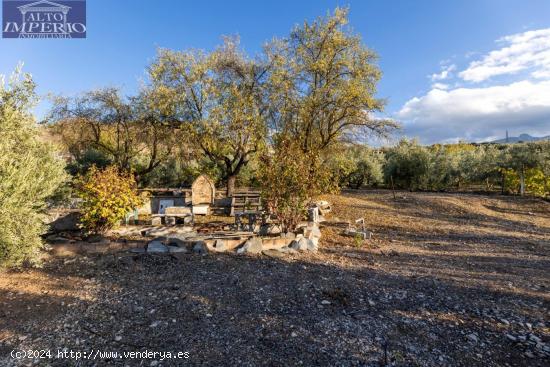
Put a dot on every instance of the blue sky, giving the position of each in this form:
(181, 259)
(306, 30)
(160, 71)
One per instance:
(449, 72)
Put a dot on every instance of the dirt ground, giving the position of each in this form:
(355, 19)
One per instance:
(446, 280)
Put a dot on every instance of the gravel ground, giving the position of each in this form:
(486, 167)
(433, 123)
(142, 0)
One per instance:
(448, 279)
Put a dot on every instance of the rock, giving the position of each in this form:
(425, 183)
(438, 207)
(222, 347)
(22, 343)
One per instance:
(534, 338)
(175, 249)
(313, 245)
(289, 235)
(324, 207)
(511, 337)
(156, 246)
(371, 303)
(293, 334)
(172, 241)
(299, 244)
(200, 248)
(325, 302)
(275, 243)
(287, 250)
(473, 337)
(155, 324)
(252, 246)
(220, 245)
(312, 231)
(118, 338)
(274, 253)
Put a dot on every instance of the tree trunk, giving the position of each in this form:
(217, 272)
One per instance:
(231, 185)
(522, 181)
(502, 182)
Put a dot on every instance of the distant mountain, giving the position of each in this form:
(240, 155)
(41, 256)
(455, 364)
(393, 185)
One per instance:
(522, 138)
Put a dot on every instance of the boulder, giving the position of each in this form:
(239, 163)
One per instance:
(156, 247)
(252, 246)
(200, 248)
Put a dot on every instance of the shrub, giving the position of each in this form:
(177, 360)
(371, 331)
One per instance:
(108, 195)
(289, 179)
(30, 172)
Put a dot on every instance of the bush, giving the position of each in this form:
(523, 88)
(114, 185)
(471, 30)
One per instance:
(289, 179)
(108, 196)
(30, 172)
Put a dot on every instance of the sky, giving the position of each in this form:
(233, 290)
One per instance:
(452, 70)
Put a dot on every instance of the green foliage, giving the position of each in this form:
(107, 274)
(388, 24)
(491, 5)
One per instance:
(101, 127)
(519, 168)
(356, 166)
(408, 165)
(108, 195)
(30, 172)
(289, 179)
(219, 100)
(322, 84)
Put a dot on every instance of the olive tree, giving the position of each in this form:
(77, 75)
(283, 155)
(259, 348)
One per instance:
(130, 133)
(219, 98)
(30, 172)
(322, 85)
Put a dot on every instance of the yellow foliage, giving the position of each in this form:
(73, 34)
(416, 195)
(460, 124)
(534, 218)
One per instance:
(108, 195)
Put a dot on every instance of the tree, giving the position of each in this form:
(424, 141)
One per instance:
(322, 85)
(127, 132)
(408, 164)
(358, 165)
(108, 196)
(219, 99)
(522, 158)
(30, 172)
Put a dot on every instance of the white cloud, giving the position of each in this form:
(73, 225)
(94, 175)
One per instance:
(446, 72)
(523, 51)
(440, 86)
(478, 113)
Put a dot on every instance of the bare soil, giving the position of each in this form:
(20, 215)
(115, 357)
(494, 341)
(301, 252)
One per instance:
(446, 280)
